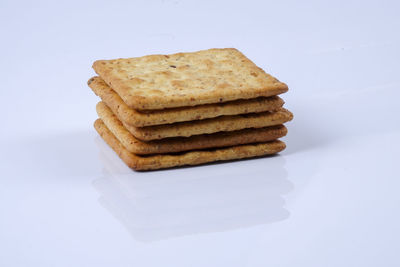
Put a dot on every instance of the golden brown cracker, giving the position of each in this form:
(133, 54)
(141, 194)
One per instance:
(154, 162)
(155, 117)
(179, 144)
(187, 79)
(208, 126)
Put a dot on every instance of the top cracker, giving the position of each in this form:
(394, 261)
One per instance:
(187, 79)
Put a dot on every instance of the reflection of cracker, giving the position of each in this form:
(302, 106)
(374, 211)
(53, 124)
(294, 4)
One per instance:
(179, 144)
(207, 126)
(187, 79)
(189, 158)
(140, 119)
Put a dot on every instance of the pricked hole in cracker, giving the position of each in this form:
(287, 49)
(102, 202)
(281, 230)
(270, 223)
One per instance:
(173, 66)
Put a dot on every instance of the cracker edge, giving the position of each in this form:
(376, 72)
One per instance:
(181, 114)
(179, 144)
(190, 128)
(189, 158)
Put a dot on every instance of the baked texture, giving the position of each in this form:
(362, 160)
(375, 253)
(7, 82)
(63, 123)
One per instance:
(155, 117)
(207, 126)
(154, 162)
(179, 144)
(187, 79)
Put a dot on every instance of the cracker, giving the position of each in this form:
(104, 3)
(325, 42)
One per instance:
(154, 162)
(187, 79)
(179, 144)
(156, 117)
(207, 126)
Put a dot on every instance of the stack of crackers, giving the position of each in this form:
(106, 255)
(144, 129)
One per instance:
(162, 111)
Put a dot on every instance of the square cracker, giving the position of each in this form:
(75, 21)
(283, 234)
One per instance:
(187, 79)
(154, 162)
(179, 144)
(207, 126)
(155, 117)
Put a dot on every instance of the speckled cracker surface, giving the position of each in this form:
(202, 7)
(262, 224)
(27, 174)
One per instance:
(180, 144)
(154, 162)
(171, 115)
(207, 126)
(187, 79)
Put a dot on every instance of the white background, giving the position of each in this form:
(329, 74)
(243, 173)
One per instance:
(330, 199)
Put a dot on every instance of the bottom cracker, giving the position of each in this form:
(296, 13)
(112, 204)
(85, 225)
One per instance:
(154, 162)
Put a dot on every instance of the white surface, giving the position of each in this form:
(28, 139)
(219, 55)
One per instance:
(331, 199)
